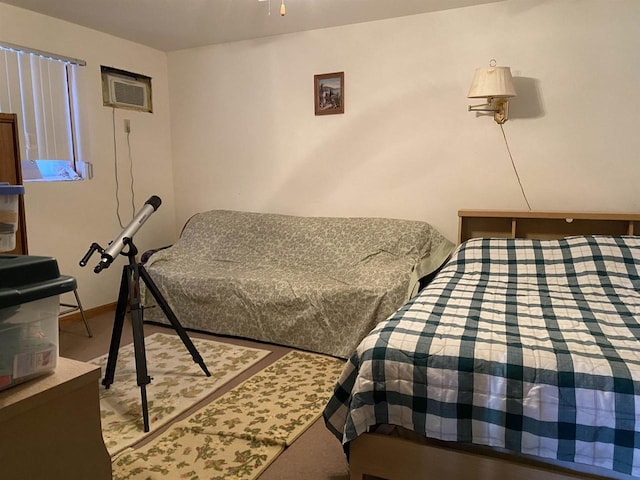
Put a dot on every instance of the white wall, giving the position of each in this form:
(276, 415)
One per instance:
(242, 133)
(245, 135)
(63, 219)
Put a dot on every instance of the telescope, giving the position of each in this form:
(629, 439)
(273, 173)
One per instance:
(129, 295)
(124, 238)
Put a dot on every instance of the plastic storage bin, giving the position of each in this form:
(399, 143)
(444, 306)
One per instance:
(9, 215)
(30, 289)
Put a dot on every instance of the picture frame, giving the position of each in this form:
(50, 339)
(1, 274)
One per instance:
(328, 92)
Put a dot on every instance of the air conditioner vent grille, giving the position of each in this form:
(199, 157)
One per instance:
(129, 94)
(126, 90)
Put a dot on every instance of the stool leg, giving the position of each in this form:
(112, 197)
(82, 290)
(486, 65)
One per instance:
(84, 319)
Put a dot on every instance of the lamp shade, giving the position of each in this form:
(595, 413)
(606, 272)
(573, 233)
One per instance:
(494, 82)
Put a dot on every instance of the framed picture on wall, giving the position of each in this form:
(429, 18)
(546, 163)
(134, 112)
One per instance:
(329, 93)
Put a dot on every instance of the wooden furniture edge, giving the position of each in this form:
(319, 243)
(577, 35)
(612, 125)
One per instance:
(71, 374)
(51, 426)
(396, 458)
(550, 214)
(22, 246)
(543, 224)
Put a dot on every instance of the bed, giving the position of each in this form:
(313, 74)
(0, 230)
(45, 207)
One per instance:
(312, 283)
(520, 359)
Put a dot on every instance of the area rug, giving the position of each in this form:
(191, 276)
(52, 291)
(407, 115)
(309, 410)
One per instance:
(177, 384)
(238, 435)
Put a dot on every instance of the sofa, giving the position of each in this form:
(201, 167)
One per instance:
(312, 283)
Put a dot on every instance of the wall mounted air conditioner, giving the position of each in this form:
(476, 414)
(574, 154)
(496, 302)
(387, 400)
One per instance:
(126, 91)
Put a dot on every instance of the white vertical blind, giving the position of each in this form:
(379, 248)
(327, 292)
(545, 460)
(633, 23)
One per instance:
(51, 110)
(38, 89)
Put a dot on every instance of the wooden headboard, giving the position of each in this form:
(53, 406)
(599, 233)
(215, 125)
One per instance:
(543, 225)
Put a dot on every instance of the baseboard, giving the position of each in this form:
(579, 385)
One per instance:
(90, 312)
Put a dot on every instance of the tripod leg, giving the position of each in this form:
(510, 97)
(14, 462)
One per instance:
(138, 343)
(153, 288)
(142, 376)
(116, 335)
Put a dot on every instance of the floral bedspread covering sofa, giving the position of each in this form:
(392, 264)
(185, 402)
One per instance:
(312, 283)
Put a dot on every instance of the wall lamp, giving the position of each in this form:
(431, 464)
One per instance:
(496, 85)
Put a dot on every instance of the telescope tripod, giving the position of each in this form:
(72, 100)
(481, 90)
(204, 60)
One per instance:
(130, 290)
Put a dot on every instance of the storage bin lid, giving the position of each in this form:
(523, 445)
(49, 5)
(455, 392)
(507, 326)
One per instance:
(25, 278)
(6, 189)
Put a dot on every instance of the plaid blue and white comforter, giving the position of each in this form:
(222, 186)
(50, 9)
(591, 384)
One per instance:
(528, 345)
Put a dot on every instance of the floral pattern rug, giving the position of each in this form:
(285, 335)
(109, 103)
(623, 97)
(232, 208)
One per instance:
(239, 434)
(177, 384)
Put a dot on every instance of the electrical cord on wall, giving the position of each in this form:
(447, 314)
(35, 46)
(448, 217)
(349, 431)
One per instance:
(514, 167)
(133, 193)
(115, 157)
(115, 166)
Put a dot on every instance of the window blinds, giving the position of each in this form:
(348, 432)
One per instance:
(39, 90)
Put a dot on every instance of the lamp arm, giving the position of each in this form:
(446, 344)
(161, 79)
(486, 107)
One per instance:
(476, 108)
(499, 106)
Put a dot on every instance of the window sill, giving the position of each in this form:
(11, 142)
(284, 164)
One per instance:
(52, 179)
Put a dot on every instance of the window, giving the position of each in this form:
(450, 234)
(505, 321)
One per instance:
(40, 88)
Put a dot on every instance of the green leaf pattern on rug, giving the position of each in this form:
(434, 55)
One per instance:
(238, 435)
(177, 384)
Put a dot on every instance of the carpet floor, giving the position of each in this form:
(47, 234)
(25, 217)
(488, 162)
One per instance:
(315, 455)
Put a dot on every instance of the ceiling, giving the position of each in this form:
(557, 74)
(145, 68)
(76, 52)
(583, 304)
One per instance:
(178, 24)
